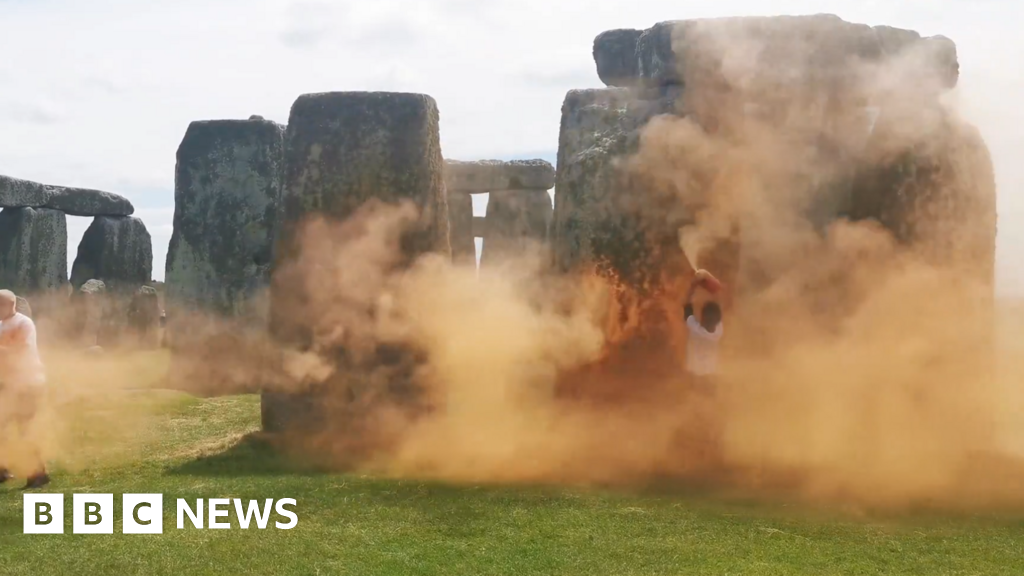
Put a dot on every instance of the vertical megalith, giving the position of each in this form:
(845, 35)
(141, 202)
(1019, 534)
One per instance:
(117, 250)
(342, 151)
(599, 219)
(33, 249)
(227, 185)
(227, 190)
(516, 220)
(608, 225)
(345, 148)
(805, 94)
(795, 87)
(88, 305)
(144, 316)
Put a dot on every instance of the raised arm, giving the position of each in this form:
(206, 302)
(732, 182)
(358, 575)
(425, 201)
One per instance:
(688, 305)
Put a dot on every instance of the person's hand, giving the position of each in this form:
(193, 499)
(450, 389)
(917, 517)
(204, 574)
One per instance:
(701, 275)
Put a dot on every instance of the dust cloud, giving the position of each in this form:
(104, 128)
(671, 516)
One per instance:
(99, 411)
(859, 364)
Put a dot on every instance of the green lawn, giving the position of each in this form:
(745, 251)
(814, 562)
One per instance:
(192, 448)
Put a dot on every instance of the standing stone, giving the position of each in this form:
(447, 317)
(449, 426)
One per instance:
(226, 194)
(515, 220)
(88, 305)
(117, 250)
(597, 219)
(342, 150)
(608, 224)
(144, 316)
(33, 249)
(460, 222)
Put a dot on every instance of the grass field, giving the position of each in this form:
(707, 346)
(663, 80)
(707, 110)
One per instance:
(200, 448)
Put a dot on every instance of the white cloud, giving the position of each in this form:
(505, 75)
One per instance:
(101, 92)
(310, 23)
(24, 112)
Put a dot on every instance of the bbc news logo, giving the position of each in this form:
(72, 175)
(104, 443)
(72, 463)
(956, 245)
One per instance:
(144, 513)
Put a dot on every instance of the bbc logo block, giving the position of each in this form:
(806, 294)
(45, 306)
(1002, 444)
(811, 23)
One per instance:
(92, 513)
(44, 513)
(144, 513)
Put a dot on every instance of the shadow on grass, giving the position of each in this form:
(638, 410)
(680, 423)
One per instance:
(253, 455)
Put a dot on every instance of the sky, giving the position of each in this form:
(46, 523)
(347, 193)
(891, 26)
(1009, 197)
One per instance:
(98, 93)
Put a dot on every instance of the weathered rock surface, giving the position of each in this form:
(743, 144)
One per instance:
(608, 223)
(113, 317)
(495, 175)
(16, 193)
(341, 151)
(778, 49)
(91, 287)
(33, 249)
(144, 316)
(515, 220)
(226, 195)
(460, 220)
(344, 148)
(117, 250)
(89, 306)
(85, 202)
(593, 221)
(616, 57)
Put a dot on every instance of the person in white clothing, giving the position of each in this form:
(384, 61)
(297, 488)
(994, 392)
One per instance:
(22, 381)
(704, 335)
(703, 338)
